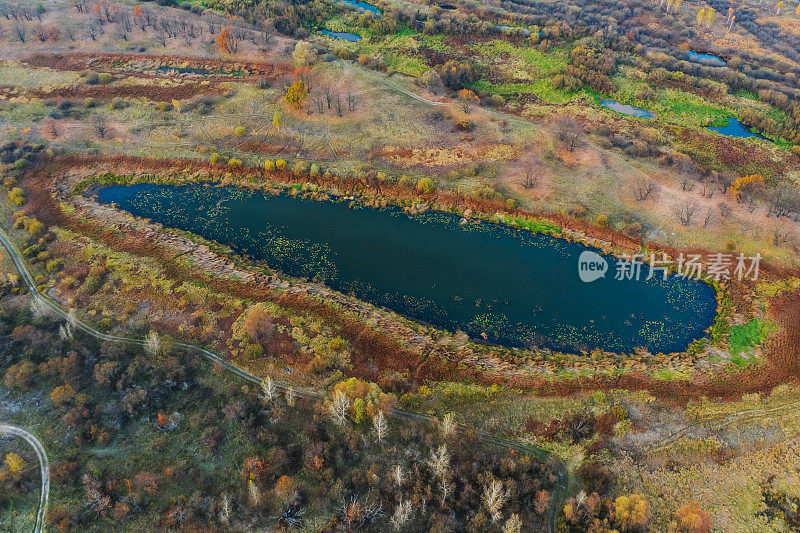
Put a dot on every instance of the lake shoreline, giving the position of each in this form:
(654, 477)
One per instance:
(321, 193)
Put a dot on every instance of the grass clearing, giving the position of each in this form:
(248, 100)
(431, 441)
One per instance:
(745, 336)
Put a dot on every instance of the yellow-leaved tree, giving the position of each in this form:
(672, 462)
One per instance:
(295, 94)
(16, 464)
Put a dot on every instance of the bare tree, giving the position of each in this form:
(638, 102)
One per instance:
(152, 344)
(568, 131)
(20, 32)
(494, 497)
(101, 126)
(783, 200)
(51, 127)
(644, 188)
(319, 100)
(439, 461)
(686, 213)
(448, 425)
(340, 407)
(125, 26)
(339, 110)
(513, 524)
(93, 31)
(531, 180)
(69, 29)
(725, 180)
(352, 101)
(402, 514)
(398, 475)
(780, 234)
(108, 12)
(141, 20)
(381, 427)
(687, 182)
(708, 189)
(328, 96)
(268, 389)
(707, 219)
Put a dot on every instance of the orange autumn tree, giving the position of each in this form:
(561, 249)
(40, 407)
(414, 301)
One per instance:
(296, 93)
(740, 185)
(137, 11)
(690, 518)
(62, 395)
(285, 488)
(224, 40)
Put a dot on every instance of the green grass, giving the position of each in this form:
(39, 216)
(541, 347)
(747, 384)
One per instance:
(20, 76)
(746, 336)
(669, 374)
(686, 109)
(406, 64)
(744, 93)
(541, 88)
(400, 51)
(544, 64)
(534, 225)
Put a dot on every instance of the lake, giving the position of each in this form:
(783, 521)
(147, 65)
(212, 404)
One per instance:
(351, 37)
(626, 109)
(735, 129)
(509, 286)
(706, 59)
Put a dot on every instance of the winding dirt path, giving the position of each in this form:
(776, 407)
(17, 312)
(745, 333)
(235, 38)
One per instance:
(44, 466)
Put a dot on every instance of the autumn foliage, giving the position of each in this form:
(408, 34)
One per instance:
(741, 184)
(285, 488)
(468, 99)
(296, 93)
(224, 40)
(690, 518)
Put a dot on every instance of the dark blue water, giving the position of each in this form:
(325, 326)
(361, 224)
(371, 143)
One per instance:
(706, 59)
(352, 37)
(626, 109)
(735, 129)
(363, 5)
(515, 287)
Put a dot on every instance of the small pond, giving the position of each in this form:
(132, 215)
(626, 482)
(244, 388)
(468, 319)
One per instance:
(626, 109)
(183, 70)
(363, 5)
(505, 28)
(351, 37)
(735, 129)
(508, 286)
(706, 59)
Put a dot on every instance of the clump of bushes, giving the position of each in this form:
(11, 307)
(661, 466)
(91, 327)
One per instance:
(425, 185)
(16, 196)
